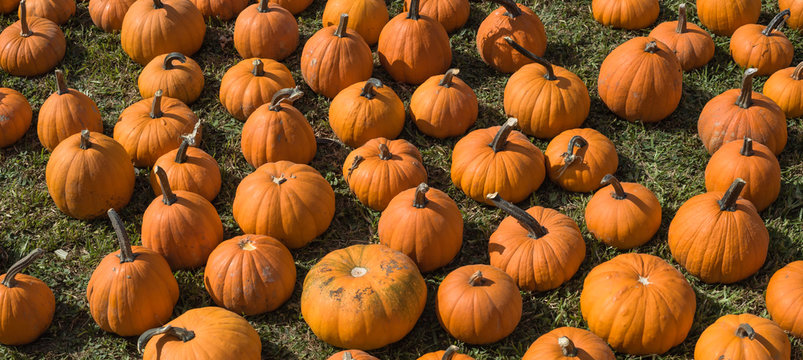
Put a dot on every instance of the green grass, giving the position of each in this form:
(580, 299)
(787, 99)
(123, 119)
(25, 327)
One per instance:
(667, 157)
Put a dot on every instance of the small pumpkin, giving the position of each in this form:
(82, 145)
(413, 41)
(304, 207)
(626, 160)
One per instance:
(224, 10)
(580, 170)
(15, 116)
(64, 113)
(31, 46)
(444, 106)
(625, 14)
(452, 14)
(265, 30)
(693, 46)
(57, 11)
(109, 14)
(251, 83)
(795, 19)
(724, 17)
(183, 80)
(28, 304)
(451, 353)
(623, 214)
(293, 6)
(364, 111)
(785, 297)
(352, 355)
(743, 337)
(190, 169)
(569, 343)
(154, 27)
(752, 162)
(764, 48)
(366, 17)
(380, 169)
(786, 90)
(517, 22)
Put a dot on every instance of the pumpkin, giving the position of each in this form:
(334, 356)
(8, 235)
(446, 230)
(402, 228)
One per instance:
(88, 173)
(352, 355)
(8, 6)
(224, 10)
(754, 163)
(764, 48)
(497, 159)
(739, 113)
(724, 17)
(334, 58)
(786, 90)
(569, 343)
(182, 226)
(539, 248)
(795, 19)
(380, 169)
(206, 333)
(278, 131)
(364, 111)
(291, 202)
(546, 99)
(28, 304)
(692, 45)
(625, 14)
(444, 106)
(743, 337)
(638, 303)
(109, 14)
(785, 298)
(57, 11)
(580, 170)
(451, 353)
(152, 127)
(641, 80)
(190, 169)
(251, 83)
(154, 27)
(478, 304)
(265, 30)
(250, 274)
(452, 14)
(31, 46)
(412, 47)
(293, 6)
(15, 116)
(132, 289)
(183, 80)
(363, 296)
(64, 113)
(424, 224)
(623, 214)
(517, 22)
(718, 236)
(366, 17)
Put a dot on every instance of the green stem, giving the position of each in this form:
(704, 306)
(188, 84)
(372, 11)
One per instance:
(550, 72)
(512, 8)
(173, 56)
(284, 95)
(168, 196)
(177, 332)
(368, 90)
(126, 253)
(681, 19)
(342, 25)
(745, 331)
(745, 99)
(747, 147)
(619, 192)
(156, 105)
(728, 201)
(775, 22)
(61, 84)
(85, 144)
(526, 220)
(448, 77)
(500, 140)
(421, 196)
(18, 266)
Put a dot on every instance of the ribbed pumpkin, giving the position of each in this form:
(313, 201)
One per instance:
(692, 45)
(31, 46)
(265, 30)
(132, 289)
(190, 169)
(764, 48)
(478, 304)
(641, 80)
(785, 298)
(539, 248)
(366, 17)
(497, 159)
(580, 170)
(352, 355)
(222, 9)
(424, 224)
(8, 6)
(739, 113)
(718, 236)
(364, 111)
(517, 22)
(207, 333)
(88, 173)
(380, 169)
(623, 214)
(743, 337)
(412, 47)
(293, 6)
(546, 99)
(28, 304)
(250, 274)
(724, 17)
(291, 202)
(569, 343)
(754, 163)
(363, 296)
(452, 14)
(109, 14)
(625, 14)
(334, 58)
(638, 303)
(15, 116)
(444, 106)
(451, 353)
(64, 113)
(785, 88)
(183, 80)
(251, 83)
(155, 27)
(795, 7)
(57, 11)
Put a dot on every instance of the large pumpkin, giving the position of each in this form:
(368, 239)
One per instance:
(580, 170)
(251, 83)
(57, 11)
(183, 80)
(366, 17)
(109, 14)
(222, 9)
(451, 353)
(444, 106)
(519, 23)
(189, 168)
(64, 113)
(724, 17)
(31, 46)
(8, 6)
(569, 343)
(785, 298)
(754, 163)
(28, 304)
(795, 19)
(452, 14)
(352, 355)
(293, 6)
(764, 48)
(785, 88)
(15, 116)
(693, 46)
(363, 296)
(155, 27)
(625, 14)
(623, 215)
(265, 30)
(743, 337)
(364, 111)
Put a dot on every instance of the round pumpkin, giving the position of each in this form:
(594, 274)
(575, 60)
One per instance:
(64, 113)
(754, 163)
(8, 6)
(183, 80)
(786, 90)
(795, 7)
(569, 343)
(250, 274)
(519, 23)
(154, 27)
(189, 168)
(451, 353)
(31, 46)
(265, 30)
(363, 296)
(222, 9)
(57, 11)
(15, 116)
(724, 17)
(692, 45)
(743, 337)
(352, 355)
(293, 6)
(109, 14)
(251, 83)
(785, 298)
(366, 17)
(364, 111)
(625, 14)
(288, 201)
(638, 303)
(764, 48)
(28, 304)
(623, 215)
(452, 14)
(444, 106)
(580, 170)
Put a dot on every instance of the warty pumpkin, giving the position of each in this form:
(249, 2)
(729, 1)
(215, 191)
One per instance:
(352, 355)
(785, 88)
(743, 337)
(451, 353)
(625, 14)
(363, 296)
(752, 162)
(364, 111)
(251, 83)
(764, 48)
(566, 343)
(366, 17)
(265, 30)
(795, 19)
(623, 214)
(517, 22)
(444, 106)
(222, 9)
(31, 46)
(293, 6)
(57, 11)
(28, 304)
(154, 27)
(64, 113)
(785, 298)
(132, 289)
(190, 169)
(580, 170)
(452, 14)
(15, 116)
(183, 80)
(692, 45)
(724, 17)
(109, 14)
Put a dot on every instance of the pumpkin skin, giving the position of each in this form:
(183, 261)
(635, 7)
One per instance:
(154, 27)
(451, 353)
(306, 203)
(795, 19)
(763, 48)
(87, 174)
(57, 11)
(366, 17)
(28, 304)
(363, 296)
(293, 6)
(739, 113)
(36, 53)
(250, 274)
(190, 169)
(444, 106)
(625, 14)
(580, 170)
(754, 163)
(478, 289)
(364, 111)
(638, 303)
(251, 83)
(452, 14)
(334, 58)
(109, 14)
(569, 343)
(519, 23)
(724, 17)
(692, 45)
(784, 300)
(15, 116)
(64, 113)
(278, 131)
(743, 337)
(178, 77)
(265, 30)
(7, 7)
(641, 80)
(132, 289)
(623, 215)
(380, 169)
(352, 354)
(786, 90)
(224, 10)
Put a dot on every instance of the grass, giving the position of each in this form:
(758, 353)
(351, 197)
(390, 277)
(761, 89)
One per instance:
(667, 157)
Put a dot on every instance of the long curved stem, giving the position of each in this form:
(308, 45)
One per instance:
(526, 220)
(284, 95)
(173, 56)
(745, 331)
(450, 351)
(126, 253)
(747, 147)
(567, 347)
(448, 77)
(728, 201)
(263, 6)
(25, 31)
(354, 164)
(618, 191)
(797, 74)
(745, 99)
(421, 196)
(342, 25)
(85, 144)
(570, 156)
(511, 7)
(550, 72)
(259, 68)
(177, 332)
(500, 140)
(156, 105)
(412, 12)
(168, 196)
(681, 19)
(61, 84)
(775, 22)
(368, 91)
(18, 266)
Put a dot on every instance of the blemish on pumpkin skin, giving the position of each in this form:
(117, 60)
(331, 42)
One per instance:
(328, 281)
(358, 295)
(336, 294)
(390, 266)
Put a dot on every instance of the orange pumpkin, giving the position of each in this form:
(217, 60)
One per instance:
(724, 17)
(625, 14)
(31, 46)
(15, 116)
(293, 6)
(517, 22)
(786, 90)
(251, 83)
(352, 354)
(154, 27)
(451, 353)
(754, 163)
(366, 17)
(364, 111)
(785, 298)
(452, 14)
(795, 7)
(623, 215)
(109, 14)
(28, 304)
(190, 169)
(57, 11)
(265, 30)
(183, 81)
(580, 170)
(224, 10)
(569, 343)
(64, 113)
(693, 46)
(8, 6)
(743, 337)
(444, 106)
(763, 48)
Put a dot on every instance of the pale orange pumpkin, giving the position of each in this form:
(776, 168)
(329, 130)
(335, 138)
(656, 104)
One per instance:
(444, 106)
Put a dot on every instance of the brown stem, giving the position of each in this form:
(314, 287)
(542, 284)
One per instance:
(284, 95)
(173, 56)
(745, 99)
(342, 25)
(569, 157)
(263, 6)
(747, 147)
(550, 72)
(168, 196)
(156, 105)
(126, 254)
(476, 279)
(448, 77)
(681, 19)
(61, 84)
(384, 152)
(512, 8)
(451, 350)
(776, 22)
(259, 68)
(368, 90)
(177, 332)
(354, 164)
(25, 31)
(412, 12)
(20, 265)
(278, 180)
(728, 201)
(526, 220)
(567, 347)
(797, 74)
(618, 192)
(347, 355)
(157, 4)
(85, 144)
(500, 140)
(745, 331)
(181, 154)
(651, 47)
(421, 196)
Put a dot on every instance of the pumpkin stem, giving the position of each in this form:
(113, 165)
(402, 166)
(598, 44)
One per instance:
(651, 47)
(798, 73)
(384, 152)
(447, 78)
(412, 13)
(259, 69)
(85, 144)
(342, 25)
(570, 157)
(476, 279)
(25, 31)
(776, 22)
(526, 220)
(745, 99)
(745, 331)
(18, 266)
(126, 254)
(187, 140)
(421, 196)
(284, 95)
(157, 4)
(728, 201)
(618, 192)
(368, 90)
(747, 147)
(347, 356)
(550, 72)
(500, 140)
(279, 180)
(263, 6)
(354, 164)
(681, 19)
(452, 350)
(512, 8)
(156, 105)
(177, 332)
(61, 84)
(567, 347)
(173, 56)
(168, 196)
